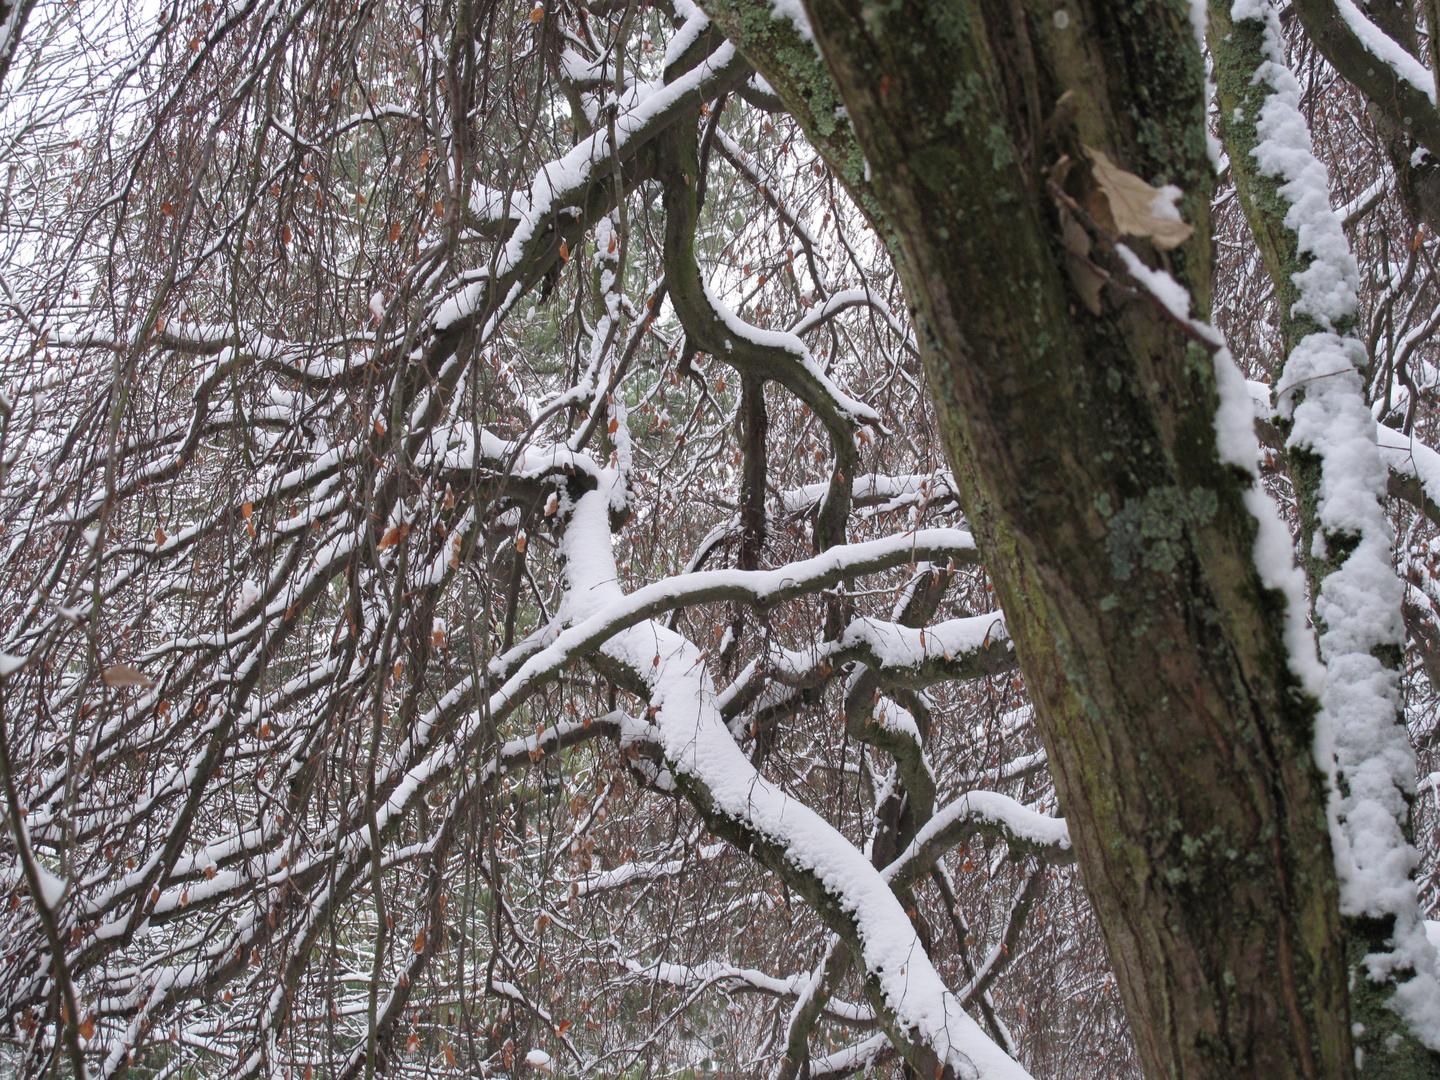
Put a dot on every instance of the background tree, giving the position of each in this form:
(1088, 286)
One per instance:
(482, 590)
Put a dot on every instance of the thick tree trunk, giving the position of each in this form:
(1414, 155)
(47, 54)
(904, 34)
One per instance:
(13, 16)
(1247, 56)
(1120, 544)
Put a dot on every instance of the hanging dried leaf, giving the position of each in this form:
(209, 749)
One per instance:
(247, 509)
(1136, 207)
(1083, 275)
(395, 535)
(125, 675)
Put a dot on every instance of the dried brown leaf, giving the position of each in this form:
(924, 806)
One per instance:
(1137, 207)
(125, 675)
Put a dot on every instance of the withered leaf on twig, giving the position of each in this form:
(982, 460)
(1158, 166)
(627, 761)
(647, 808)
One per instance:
(1137, 208)
(125, 675)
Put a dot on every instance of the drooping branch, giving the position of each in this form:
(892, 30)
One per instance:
(760, 354)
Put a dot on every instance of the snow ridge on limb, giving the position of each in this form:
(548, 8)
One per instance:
(568, 180)
(741, 980)
(914, 1005)
(1413, 466)
(989, 812)
(1236, 445)
(1358, 603)
(1386, 49)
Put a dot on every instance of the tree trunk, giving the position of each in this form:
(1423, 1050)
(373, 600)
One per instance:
(1080, 418)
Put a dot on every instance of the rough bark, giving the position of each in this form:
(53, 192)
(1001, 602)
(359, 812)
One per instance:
(1405, 117)
(1118, 541)
(13, 16)
(1384, 1045)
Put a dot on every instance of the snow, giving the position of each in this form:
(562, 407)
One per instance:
(1022, 822)
(245, 597)
(52, 888)
(794, 10)
(790, 343)
(1167, 290)
(899, 646)
(1381, 46)
(696, 21)
(712, 973)
(700, 749)
(560, 184)
(10, 664)
(850, 1060)
(1408, 456)
(847, 298)
(538, 1059)
(895, 491)
(1361, 733)
(1236, 445)
(898, 720)
(1199, 21)
(1328, 285)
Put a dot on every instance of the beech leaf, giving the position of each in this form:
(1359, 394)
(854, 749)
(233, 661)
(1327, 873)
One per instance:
(1139, 208)
(125, 675)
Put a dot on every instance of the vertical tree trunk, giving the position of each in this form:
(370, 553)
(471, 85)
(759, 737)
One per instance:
(13, 16)
(1080, 417)
(1257, 97)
